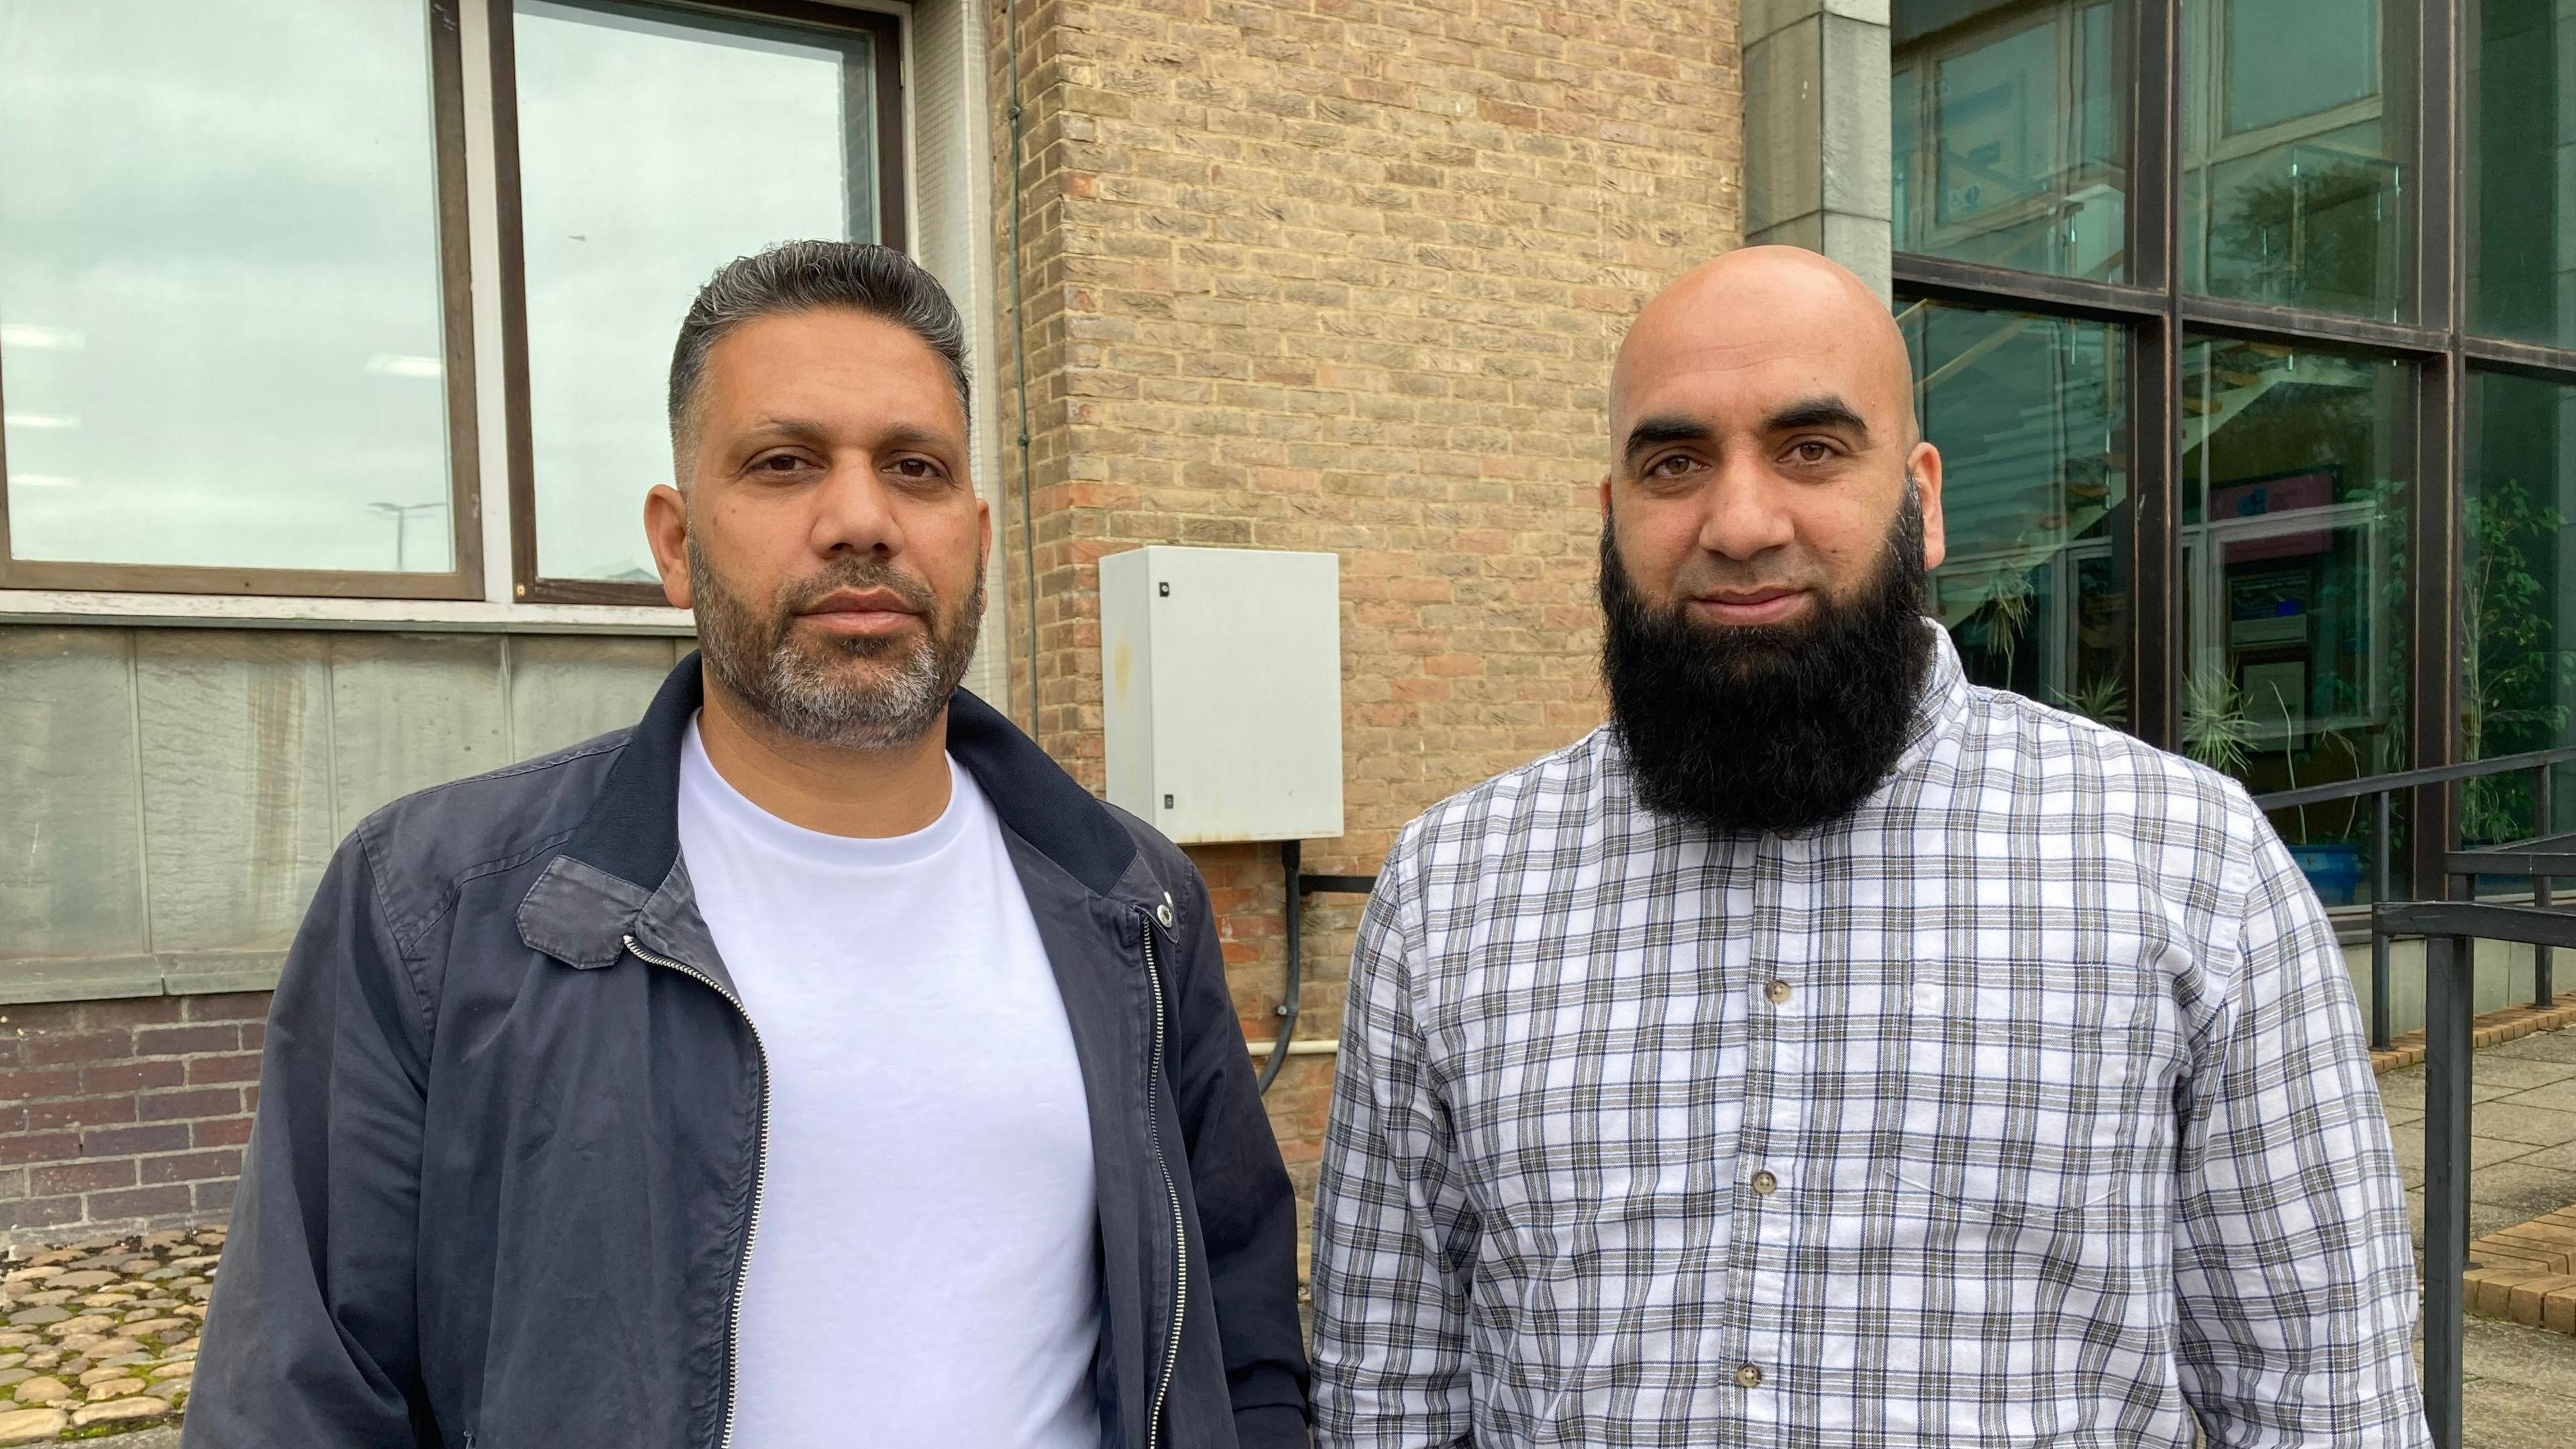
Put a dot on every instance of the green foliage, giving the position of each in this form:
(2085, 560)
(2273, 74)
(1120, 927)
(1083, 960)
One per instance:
(2216, 730)
(2509, 672)
(2102, 699)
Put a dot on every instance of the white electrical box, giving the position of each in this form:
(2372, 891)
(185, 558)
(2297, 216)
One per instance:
(1221, 681)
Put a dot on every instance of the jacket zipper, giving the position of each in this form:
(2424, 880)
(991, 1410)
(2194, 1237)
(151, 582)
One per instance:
(760, 1178)
(1180, 1239)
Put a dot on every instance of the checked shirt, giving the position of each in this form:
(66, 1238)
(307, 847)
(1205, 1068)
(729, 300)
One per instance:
(2027, 1105)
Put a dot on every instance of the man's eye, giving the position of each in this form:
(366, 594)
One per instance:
(917, 468)
(1811, 452)
(1672, 467)
(780, 463)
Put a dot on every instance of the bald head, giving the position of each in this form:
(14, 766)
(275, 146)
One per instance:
(1762, 435)
(1778, 311)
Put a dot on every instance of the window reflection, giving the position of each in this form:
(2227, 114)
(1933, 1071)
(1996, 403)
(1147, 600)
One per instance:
(2296, 489)
(2007, 147)
(2295, 137)
(2030, 414)
(2519, 69)
(220, 320)
(655, 145)
(2517, 676)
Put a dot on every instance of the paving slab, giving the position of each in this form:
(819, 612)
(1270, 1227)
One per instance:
(2538, 1126)
(2557, 1096)
(2544, 1046)
(2524, 1188)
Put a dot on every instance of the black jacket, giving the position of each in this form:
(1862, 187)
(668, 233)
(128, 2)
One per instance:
(508, 1145)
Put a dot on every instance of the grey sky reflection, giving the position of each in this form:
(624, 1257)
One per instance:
(649, 155)
(212, 219)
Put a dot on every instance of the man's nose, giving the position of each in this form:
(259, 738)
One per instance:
(853, 511)
(1745, 515)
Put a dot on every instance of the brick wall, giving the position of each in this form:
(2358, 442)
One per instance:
(120, 1116)
(1347, 275)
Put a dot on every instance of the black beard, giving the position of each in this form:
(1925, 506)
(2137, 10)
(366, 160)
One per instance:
(1768, 727)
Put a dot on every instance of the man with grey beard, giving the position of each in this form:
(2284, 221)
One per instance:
(813, 1064)
(1828, 1051)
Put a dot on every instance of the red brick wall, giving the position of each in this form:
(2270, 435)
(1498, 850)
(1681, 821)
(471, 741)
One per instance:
(120, 1116)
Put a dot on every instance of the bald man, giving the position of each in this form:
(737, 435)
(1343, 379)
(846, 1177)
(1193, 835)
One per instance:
(1828, 1051)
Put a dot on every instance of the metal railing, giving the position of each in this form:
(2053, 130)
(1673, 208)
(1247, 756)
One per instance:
(2378, 789)
(2449, 929)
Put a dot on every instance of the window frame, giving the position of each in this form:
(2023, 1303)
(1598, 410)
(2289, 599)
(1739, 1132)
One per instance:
(885, 31)
(1936, 48)
(464, 581)
(2159, 314)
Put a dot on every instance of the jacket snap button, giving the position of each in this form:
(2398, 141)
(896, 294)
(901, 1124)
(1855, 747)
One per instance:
(1163, 913)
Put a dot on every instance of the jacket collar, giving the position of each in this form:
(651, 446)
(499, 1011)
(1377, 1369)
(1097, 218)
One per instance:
(621, 868)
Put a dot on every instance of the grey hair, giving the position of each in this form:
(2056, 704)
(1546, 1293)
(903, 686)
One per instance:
(807, 276)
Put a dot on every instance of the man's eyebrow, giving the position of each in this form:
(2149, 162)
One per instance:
(1817, 412)
(782, 430)
(915, 435)
(768, 431)
(1654, 432)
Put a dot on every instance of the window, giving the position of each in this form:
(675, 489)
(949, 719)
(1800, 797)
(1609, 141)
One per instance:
(2290, 59)
(2517, 593)
(653, 145)
(2519, 63)
(2297, 135)
(2295, 489)
(2266, 380)
(231, 292)
(2031, 416)
(237, 280)
(2007, 142)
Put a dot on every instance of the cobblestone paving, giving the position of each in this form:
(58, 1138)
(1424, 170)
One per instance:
(100, 1338)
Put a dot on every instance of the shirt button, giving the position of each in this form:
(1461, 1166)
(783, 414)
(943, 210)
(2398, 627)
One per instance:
(1764, 1184)
(1777, 992)
(1749, 1376)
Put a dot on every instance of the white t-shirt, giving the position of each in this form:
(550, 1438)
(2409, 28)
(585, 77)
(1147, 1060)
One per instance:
(924, 1271)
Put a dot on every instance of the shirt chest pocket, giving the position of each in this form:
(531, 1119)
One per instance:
(2030, 1088)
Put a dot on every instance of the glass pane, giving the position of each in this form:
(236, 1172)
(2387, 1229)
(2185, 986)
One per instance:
(2296, 484)
(2008, 136)
(2031, 417)
(220, 329)
(655, 146)
(2520, 113)
(2298, 152)
(2517, 596)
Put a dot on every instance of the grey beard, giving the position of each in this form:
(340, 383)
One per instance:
(794, 689)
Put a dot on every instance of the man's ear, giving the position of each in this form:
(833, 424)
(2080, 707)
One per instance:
(666, 529)
(1924, 466)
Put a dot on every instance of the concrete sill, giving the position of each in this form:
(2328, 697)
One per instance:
(105, 978)
(247, 611)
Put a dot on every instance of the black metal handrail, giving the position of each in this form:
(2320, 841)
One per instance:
(2531, 857)
(2449, 929)
(2411, 779)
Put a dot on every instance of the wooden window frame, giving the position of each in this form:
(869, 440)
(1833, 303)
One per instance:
(886, 34)
(455, 282)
